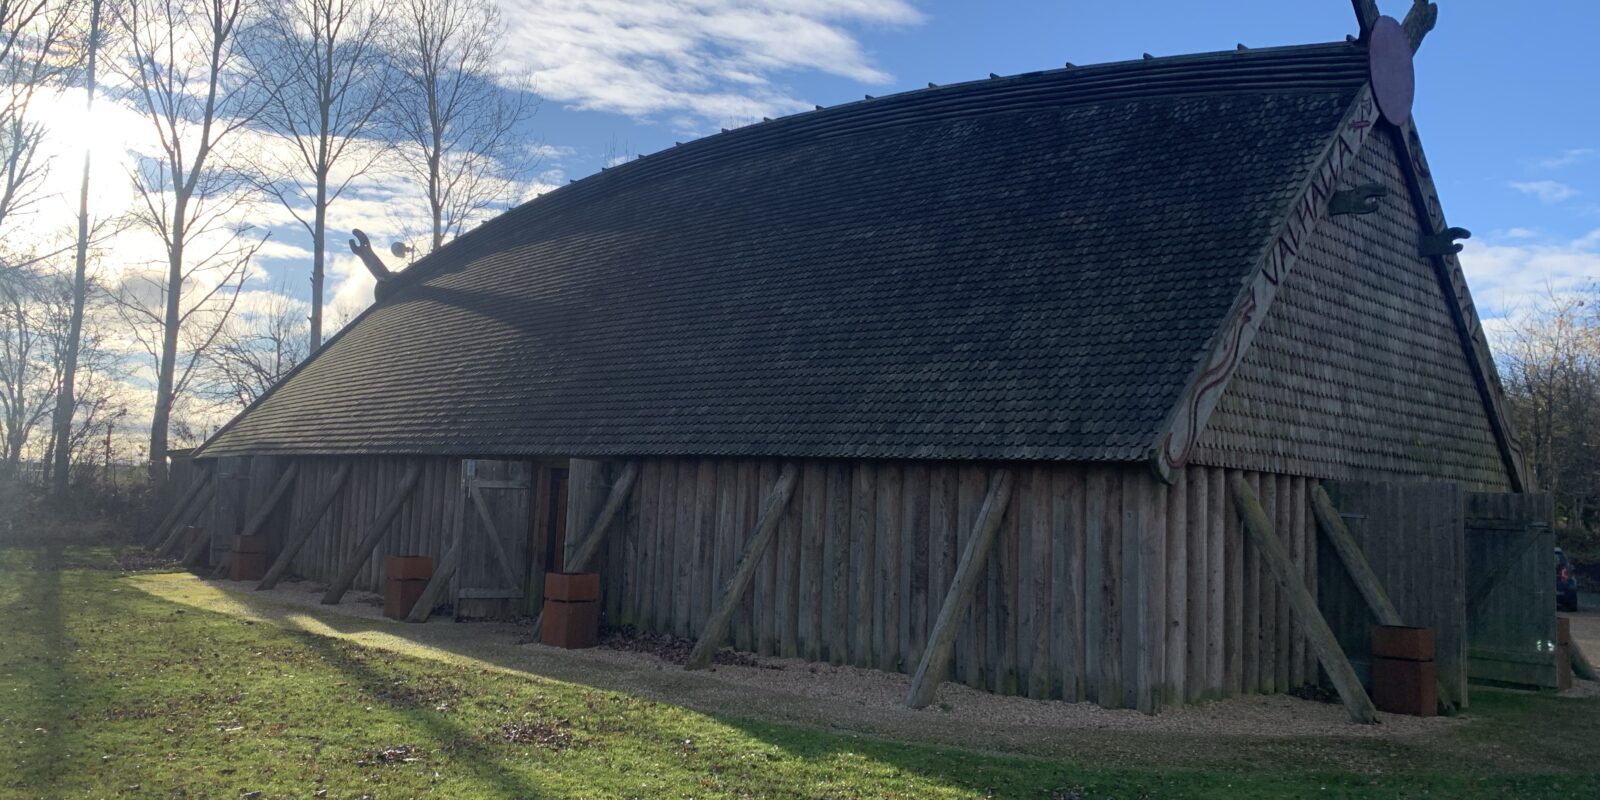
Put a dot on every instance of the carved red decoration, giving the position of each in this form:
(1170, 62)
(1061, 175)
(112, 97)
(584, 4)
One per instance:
(1394, 79)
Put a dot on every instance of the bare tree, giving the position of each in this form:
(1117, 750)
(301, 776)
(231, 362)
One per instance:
(461, 128)
(29, 375)
(1550, 359)
(256, 350)
(34, 56)
(66, 399)
(184, 69)
(327, 70)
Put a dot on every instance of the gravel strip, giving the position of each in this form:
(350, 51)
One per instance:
(829, 696)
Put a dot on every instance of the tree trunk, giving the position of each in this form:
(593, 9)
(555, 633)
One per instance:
(66, 399)
(319, 240)
(168, 364)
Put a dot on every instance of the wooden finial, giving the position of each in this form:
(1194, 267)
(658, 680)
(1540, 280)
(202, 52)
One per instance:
(1444, 242)
(1240, 47)
(1361, 199)
(1419, 21)
(362, 247)
(1366, 14)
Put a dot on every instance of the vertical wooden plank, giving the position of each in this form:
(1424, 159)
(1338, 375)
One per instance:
(943, 510)
(813, 531)
(836, 555)
(703, 582)
(1197, 680)
(886, 580)
(863, 519)
(1097, 553)
(745, 504)
(1218, 566)
(1309, 667)
(748, 509)
(730, 537)
(914, 619)
(1036, 639)
(768, 630)
(971, 485)
(1251, 606)
(1067, 589)
(1175, 626)
(1150, 592)
(1111, 603)
(1239, 567)
(683, 545)
(645, 498)
(1283, 640)
(1297, 527)
(788, 591)
(1003, 593)
(1024, 569)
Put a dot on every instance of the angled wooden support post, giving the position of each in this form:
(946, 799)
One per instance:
(1365, 578)
(436, 585)
(590, 543)
(300, 531)
(1356, 702)
(716, 627)
(375, 533)
(936, 657)
(1355, 562)
(201, 502)
(197, 545)
(596, 535)
(279, 489)
(262, 513)
(163, 529)
(1581, 665)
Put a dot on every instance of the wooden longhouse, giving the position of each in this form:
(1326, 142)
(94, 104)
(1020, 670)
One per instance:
(1077, 311)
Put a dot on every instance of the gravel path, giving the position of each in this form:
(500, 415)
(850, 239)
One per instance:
(816, 695)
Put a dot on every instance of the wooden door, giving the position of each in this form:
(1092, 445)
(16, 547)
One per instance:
(493, 526)
(1511, 604)
(1411, 534)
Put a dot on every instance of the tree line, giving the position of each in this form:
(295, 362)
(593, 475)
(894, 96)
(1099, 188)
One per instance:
(1549, 358)
(246, 109)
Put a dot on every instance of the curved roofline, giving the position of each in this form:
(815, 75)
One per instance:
(1315, 67)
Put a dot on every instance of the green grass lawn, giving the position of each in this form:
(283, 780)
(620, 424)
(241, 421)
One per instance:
(106, 691)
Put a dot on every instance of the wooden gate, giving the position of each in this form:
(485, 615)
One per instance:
(1510, 605)
(492, 529)
(1411, 534)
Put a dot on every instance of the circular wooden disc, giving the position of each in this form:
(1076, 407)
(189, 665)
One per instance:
(1394, 79)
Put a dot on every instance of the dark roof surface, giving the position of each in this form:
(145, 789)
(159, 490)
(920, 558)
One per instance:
(1025, 267)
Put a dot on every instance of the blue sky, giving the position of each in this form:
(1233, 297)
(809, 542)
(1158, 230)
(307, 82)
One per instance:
(1504, 98)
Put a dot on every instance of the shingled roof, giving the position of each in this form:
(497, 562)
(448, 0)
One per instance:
(1017, 268)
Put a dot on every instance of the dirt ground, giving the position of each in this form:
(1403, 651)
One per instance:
(781, 690)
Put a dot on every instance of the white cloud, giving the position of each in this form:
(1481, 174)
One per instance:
(714, 60)
(1510, 277)
(1546, 191)
(1568, 157)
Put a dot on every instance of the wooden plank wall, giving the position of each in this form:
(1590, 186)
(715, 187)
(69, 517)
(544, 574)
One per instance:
(1512, 629)
(422, 528)
(1105, 585)
(1411, 534)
